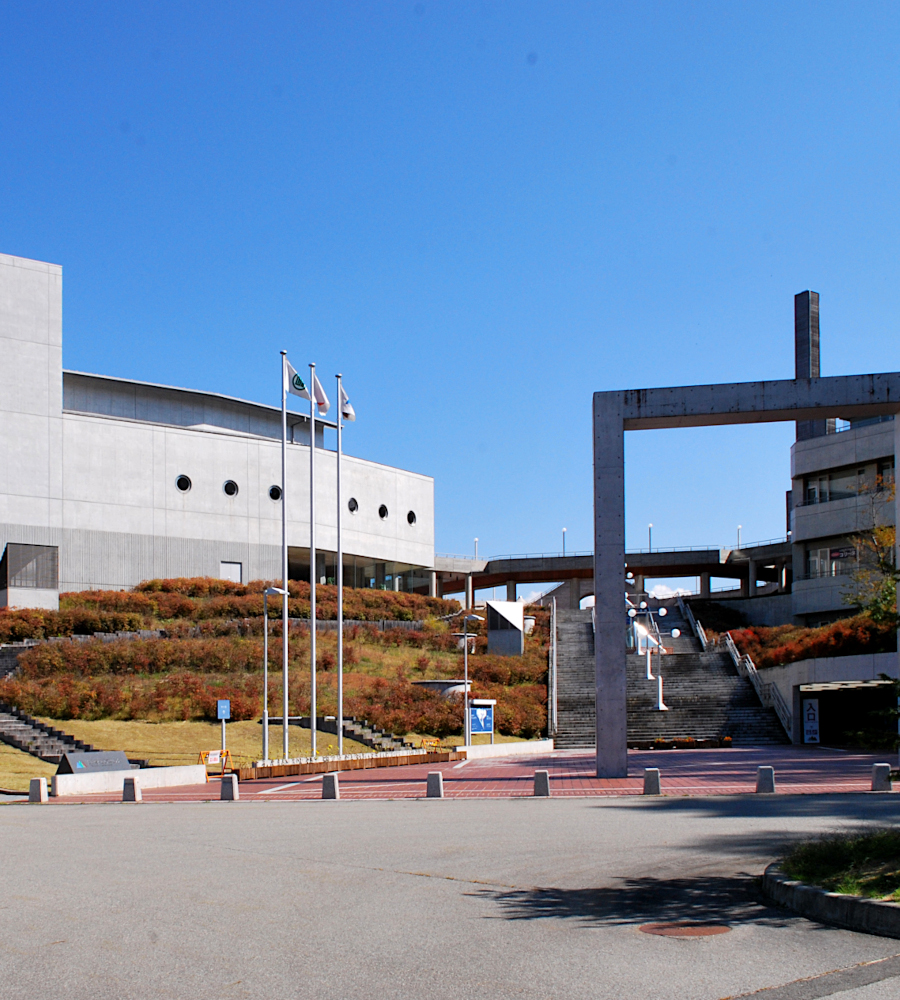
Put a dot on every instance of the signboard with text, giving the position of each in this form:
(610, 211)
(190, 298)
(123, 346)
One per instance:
(810, 720)
(223, 705)
(482, 719)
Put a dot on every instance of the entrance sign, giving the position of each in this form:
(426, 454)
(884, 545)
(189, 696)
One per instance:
(810, 720)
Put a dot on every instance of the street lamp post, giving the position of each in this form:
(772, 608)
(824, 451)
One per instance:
(650, 537)
(266, 592)
(467, 737)
(564, 541)
(739, 535)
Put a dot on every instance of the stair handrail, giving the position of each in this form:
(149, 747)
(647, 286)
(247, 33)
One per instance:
(767, 693)
(696, 627)
(552, 698)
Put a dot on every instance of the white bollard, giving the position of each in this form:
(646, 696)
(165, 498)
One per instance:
(229, 791)
(765, 780)
(881, 778)
(434, 788)
(651, 781)
(330, 787)
(37, 790)
(542, 783)
(131, 790)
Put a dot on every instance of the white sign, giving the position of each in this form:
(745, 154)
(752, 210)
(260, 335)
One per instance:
(214, 757)
(810, 720)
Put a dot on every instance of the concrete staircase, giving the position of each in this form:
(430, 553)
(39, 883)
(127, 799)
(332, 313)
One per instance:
(25, 733)
(705, 695)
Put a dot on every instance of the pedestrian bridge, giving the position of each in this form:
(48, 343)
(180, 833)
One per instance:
(767, 562)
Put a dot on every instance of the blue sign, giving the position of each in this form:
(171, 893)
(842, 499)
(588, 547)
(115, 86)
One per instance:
(223, 708)
(481, 719)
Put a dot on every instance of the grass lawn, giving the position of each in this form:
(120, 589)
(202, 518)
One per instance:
(858, 864)
(17, 768)
(181, 742)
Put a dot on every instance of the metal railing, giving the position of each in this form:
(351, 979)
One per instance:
(767, 693)
(696, 627)
(551, 679)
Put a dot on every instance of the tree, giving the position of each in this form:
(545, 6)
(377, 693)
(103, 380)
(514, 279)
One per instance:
(874, 584)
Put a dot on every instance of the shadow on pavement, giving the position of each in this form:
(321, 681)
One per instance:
(706, 899)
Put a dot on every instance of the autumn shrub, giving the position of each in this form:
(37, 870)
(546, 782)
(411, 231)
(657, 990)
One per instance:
(781, 644)
(397, 706)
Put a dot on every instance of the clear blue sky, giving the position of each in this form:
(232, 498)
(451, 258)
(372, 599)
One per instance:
(480, 213)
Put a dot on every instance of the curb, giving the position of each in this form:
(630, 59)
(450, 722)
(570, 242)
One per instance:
(855, 913)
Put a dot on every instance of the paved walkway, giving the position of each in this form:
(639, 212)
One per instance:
(798, 770)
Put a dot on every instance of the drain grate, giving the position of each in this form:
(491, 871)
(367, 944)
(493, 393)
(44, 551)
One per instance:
(684, 929)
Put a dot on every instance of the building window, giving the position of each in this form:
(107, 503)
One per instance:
(183, 484)
(352, 505)
(275, 493)
(382, 512)
(232, 571)
(411, 517)
(836, 560)
(230, 487)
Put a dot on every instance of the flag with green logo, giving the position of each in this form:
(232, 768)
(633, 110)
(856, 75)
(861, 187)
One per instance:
(298, 387)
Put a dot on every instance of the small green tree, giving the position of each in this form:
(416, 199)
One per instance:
(873, 586)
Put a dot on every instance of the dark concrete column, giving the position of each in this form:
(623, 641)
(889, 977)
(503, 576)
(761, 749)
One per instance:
(510, 590)
(704, 585)
(806, 357)
(751, 578)
(609, 563)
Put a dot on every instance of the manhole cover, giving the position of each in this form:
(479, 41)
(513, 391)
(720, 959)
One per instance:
(684, 928)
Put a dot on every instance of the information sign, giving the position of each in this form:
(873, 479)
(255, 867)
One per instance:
(810, 720)
(88, 763)
(482, 719)
(223, 706)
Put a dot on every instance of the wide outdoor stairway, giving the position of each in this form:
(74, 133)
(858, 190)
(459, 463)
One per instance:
(25, 733)
(705, 696)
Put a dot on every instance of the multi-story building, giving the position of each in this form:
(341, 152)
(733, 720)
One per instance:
(105, 482)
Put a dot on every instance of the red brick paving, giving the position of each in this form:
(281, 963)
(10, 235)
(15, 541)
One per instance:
(683, 772)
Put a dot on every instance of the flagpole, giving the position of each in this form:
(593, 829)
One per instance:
(284, 562)
(339, 580)
(312, 559)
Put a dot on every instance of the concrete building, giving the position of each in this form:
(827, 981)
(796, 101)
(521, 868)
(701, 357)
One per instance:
(128, 481)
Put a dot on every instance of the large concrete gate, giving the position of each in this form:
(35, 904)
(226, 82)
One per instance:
(852, 397)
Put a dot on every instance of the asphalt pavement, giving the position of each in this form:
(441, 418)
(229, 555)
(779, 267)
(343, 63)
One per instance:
(423, 900)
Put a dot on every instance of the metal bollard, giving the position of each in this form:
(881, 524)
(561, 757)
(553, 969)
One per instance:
(131, 790)
(37, 790)
(434, 788)
(542, 783)
(765, 780)
(651, 781)
(881, 778)
(229, 791)
(330, 787)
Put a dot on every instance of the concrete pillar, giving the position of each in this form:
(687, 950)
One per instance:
(651, 781)
(229, 791)
(510, 590)
(765, 780)
(609, 562)
(751, 579)
(330, 787)
(37, 790)
(470, 591)
(542, 783)
(434, 787)
(131, 790)
(432, 584)
(639, 585)
(881, 778)
(704, 585)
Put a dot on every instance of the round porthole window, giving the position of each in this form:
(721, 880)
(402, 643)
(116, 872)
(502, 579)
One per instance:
(352, 505)
(382, 512)
(183, 484)
(230, 487)
(275, 493)
(411, 517)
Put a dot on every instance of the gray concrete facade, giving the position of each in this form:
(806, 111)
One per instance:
(853, 397)
(91, 464)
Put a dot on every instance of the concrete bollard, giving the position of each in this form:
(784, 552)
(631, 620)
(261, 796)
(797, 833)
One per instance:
(131, 790)
(542, 783)
(434, 788)
(37, 790)
(881, 778)
(765, 779)
(229, 791)
(651, 781)
(330, 787)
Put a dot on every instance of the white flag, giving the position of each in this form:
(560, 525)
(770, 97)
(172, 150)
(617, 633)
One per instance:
(347, 411)
(298, 387)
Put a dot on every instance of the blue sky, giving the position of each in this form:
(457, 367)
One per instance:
(480, 213)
